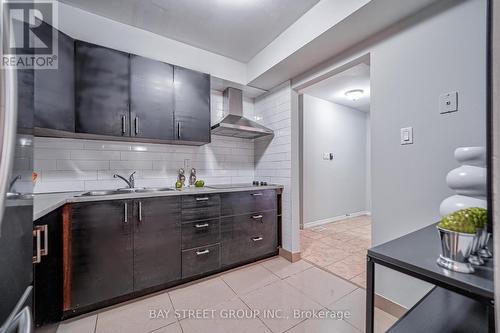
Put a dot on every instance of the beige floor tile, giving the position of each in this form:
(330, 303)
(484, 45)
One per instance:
(326, 257)
(242, 281)
(83, 325)
(228, 317)
(355, 303)
(283, 268)
(135, 317)
(323, 326)
(311, 234)
(172, 328)
(322, 287)
(360, 280)
(316, 247)
(282, 297)
(346, 269)
(201, 295)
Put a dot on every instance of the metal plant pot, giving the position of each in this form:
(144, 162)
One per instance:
(483, 244)
(455, 250)
(474, 257)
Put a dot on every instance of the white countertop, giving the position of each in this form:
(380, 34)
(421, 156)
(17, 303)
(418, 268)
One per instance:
(45, 203)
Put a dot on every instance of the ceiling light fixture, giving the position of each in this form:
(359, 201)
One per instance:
(354, 94)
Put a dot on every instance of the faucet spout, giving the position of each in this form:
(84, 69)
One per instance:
(131, 180)
(13, 182)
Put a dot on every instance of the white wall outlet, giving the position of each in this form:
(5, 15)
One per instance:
(448, 102)
(407, 136)
(328, 156)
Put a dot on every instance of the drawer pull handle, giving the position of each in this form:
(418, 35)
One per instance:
(257, 239)
(202, 199)
(257, 194)
(200, 253)
(199, 226)
(256, 217)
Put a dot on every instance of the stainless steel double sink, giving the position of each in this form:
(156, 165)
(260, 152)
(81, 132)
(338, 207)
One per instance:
(126, 190)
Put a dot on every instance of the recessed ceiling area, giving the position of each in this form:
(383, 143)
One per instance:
(334, 88)
(238, 29)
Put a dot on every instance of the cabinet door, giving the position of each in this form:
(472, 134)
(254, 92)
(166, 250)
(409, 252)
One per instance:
(55, 88)
(157, 242)
(151, 98)
(101, 251)
(192, 105)
(102, 90)
(47, 274)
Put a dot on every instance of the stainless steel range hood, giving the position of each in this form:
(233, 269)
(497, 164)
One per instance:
(234, 124)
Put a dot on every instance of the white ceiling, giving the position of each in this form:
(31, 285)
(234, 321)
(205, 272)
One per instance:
(238, 29)
(333, 88)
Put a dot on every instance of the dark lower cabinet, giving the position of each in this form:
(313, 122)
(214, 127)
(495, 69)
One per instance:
(102, 257)
(102, 90)
(199, 233)
(248, 236)
(247, 202)
(200, 260)
(192, 105)
(55, 88)
(157, 242)
(151, 99)
(47, 274)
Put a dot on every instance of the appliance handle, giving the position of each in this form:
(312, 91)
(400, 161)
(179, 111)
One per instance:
(16, 312)
(22, 322)
(8, 123)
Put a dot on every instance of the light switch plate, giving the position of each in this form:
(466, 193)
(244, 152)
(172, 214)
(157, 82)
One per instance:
(407, 136)
(448, 102)
(328, 156)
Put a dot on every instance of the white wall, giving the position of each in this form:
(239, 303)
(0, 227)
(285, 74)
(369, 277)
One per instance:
(338, 187)
(77, 165)
(96, 29)
(413, 63)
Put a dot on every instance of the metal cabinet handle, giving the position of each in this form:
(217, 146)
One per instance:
(125, 213)
(136, 125)
(179, 130)
(256, 217)
(199, 253)
(257, 239)
(140, 211)
(124, 120)
(257, 194)
(45, 229)
(37, 258)
(202, 199)
(199, 226)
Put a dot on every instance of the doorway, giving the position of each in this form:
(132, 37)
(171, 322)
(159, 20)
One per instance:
(335, 172)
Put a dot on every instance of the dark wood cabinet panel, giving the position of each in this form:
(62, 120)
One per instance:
(47, 274)
(201, 260)
(101, 251)
(192, 105)
(157, 242)
(245, 237)
(55, 88)
(200, 233)
(237, 203)
(200, 207)
(151, 98)
(102, 90)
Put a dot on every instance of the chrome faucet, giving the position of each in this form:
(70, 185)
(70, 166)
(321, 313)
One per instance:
(13, 182)
(131, 180)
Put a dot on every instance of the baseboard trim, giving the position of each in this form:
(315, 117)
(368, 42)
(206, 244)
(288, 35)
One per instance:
(389, 306)
(336, 218)
(290, 256)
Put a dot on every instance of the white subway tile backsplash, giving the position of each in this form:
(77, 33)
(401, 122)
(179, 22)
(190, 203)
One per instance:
(80, 165)
(134, 164)
(94, 155)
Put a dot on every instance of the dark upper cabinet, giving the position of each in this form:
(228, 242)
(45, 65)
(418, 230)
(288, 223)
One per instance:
(102, 258)
(192, 105)
(55, 88)
(102, 90)
(151, 99)
(157, 242)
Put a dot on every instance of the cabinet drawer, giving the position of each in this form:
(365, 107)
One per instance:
(200, 207)
(200, 260)
(247, 202)
(200, 233)
(246, 237)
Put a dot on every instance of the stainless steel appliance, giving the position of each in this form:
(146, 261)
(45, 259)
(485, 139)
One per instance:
(16, 209)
